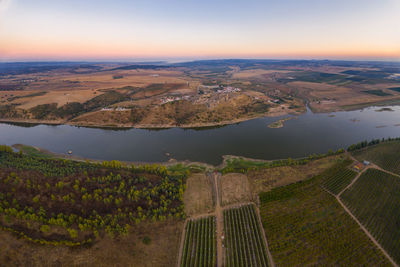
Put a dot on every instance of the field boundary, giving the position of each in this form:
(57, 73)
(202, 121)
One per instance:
(219, 220)
(264, 236)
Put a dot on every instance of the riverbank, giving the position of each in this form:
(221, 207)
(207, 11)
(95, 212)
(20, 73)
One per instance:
(310, 133)
(147, 126)
(44, 153)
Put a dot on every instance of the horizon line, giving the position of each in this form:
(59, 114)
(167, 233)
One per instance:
(182, 60)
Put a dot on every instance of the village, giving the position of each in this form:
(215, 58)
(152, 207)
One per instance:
(204, 93)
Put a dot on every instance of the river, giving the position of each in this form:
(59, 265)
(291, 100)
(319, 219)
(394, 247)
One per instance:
(309, 133)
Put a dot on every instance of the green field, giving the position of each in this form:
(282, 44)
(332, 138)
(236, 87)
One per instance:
(242, 165)
(336, 180)
(199, 247)
(306, 226)
(375, 200)
(376, 92)
(244, 243)
(386, 155)
(396, 89)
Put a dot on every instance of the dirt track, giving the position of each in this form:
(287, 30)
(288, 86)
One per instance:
(218, 213)
(371, 166)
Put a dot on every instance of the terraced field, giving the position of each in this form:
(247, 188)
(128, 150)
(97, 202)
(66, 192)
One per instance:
(337, 180)
(305, 225)
(244, 243)
(199, 247)
(385, 155)
(375, 200)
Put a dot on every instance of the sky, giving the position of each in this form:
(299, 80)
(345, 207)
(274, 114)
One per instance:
(199, 29)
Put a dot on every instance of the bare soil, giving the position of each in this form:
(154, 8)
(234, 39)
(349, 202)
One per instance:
(119, 251)
(198, 196)
(235, 188)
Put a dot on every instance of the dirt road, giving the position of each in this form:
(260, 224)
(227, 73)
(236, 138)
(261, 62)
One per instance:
(218, 213)
(220, 221)
(354, 217)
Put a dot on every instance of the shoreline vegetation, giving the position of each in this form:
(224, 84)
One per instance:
(230, 163)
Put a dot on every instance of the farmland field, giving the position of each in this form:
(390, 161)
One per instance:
(375, 200)
(336, 180)
(386, 155)
(244, 243)
(54, 202)
(199, 247)
(305, 225)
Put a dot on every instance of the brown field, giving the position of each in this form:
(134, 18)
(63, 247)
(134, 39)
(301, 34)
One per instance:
(147, 89)
(327, 97)
(235, 188)
(266, 179)
(245, 74)
(198, 196)
(59, 97)
(119, 251)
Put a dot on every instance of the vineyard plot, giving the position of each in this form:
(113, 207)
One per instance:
(306, 226)
(337, 180)
(375, 200)
(244, 241)
(199, 247)
(385, 155)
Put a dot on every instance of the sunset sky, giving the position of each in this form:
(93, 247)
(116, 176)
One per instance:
(195, 29)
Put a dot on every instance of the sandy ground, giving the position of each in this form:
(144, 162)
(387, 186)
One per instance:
(198, 196)
(235, 188)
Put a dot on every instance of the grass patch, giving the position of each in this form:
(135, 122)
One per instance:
(238, 164)
(26, 96)
(376, 92)
(33, 151)
(396, 89)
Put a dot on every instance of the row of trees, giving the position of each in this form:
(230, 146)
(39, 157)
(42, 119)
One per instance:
(366, 143)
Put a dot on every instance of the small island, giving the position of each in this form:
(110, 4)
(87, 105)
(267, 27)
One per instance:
(280, 123)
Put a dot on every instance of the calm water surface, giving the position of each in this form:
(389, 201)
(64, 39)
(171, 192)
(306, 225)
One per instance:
(309, 133)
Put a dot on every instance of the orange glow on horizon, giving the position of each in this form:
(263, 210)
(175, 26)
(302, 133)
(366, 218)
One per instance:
(61, 50)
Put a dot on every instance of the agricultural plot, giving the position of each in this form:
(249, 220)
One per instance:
(337, 180)
(199, 247)
(306, 226)
(386, 155)
(62, 202)
(244, 243)
(375, 200)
